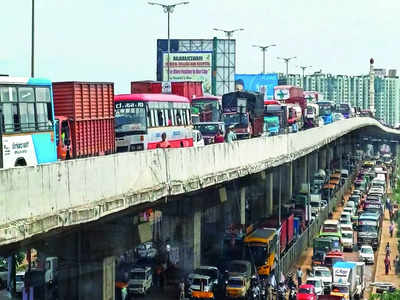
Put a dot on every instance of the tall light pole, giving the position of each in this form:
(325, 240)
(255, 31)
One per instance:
(168, 9)
(287, 60)
(264, 50)
(229, 34)
(303, 68)
(33, 41)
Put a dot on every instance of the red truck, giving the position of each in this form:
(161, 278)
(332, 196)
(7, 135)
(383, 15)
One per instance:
(188, 89)
(84, 117)
(292, 96)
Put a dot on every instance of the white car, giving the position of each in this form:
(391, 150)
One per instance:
(198, 140)
(345, 218)
(317, 283)
(325, 275)
(366, 254)
(347, 239)
(19, 282)
(140, 281)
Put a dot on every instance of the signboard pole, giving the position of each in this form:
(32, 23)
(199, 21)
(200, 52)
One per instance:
(214, 67)
(1, 139)
(169, 45)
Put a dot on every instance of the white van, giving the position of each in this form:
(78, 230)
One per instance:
(140, 281)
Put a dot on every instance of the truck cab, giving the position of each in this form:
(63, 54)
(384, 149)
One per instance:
(140, 281)
(63, 138)
(202, 287)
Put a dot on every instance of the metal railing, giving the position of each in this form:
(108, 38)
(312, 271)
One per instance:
(305, 240)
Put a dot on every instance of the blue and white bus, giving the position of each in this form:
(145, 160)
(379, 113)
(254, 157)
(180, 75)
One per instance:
(326, 109)
(27, 136)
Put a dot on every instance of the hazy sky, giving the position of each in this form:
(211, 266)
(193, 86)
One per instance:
(115, 40)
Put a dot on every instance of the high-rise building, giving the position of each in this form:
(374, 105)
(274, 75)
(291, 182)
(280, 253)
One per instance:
(355, 90)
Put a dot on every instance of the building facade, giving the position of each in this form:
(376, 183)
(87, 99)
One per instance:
(355, 91)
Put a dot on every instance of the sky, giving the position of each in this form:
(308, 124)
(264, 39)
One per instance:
(115, 40)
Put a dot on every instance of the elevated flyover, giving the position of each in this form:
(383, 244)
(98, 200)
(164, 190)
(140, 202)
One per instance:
(35, 200)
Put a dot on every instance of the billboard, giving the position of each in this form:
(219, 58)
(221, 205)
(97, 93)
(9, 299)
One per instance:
(223, 59)
(263, 83)
(189, 66)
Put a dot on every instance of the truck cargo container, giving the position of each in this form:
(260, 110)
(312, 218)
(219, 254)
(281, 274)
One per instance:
(313, 96)
(344, 280)
(188, 89)
(84, 113)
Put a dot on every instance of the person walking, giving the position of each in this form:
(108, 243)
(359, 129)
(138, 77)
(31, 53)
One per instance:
(299, 276)
(230, 135)
(391, 229)
(219, 138)
(387, 249)
(387, 265)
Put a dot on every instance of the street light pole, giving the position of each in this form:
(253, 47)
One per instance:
(229, 34)
(287, 60)
(33, 41)
(168, 9)
(303, 68)
(264, 50)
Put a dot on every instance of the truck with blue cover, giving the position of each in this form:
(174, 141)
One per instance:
(344, 280)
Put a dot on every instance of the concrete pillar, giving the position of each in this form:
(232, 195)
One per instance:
(322, 158)
(287, 182)
(329, 157)
(313, 162)
(11, 274)
(191, 240)
(301, 172)
(269, 193)
(243, 205)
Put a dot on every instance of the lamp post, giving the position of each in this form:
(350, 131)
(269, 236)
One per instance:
(229, 34)
(287, 60)
(303, 68)
(33, 41)
(264, 50)
(168, 9)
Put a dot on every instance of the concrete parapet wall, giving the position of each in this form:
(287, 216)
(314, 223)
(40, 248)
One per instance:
(34, 200)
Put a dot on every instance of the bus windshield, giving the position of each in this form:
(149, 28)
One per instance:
(325, 109)
(344, 108)
(258, 253)
(207, 129)
(130, 119)
(271, 122)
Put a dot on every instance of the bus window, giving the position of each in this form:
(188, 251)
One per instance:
(148, 118)
(153, 120)
(10, 117)
(27, 116)
(178, 118)
(160, 118)
(6, 92)
(25, 94)
(42, 94)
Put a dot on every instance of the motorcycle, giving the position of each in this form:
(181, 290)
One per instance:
(292, 293)
(281, 292)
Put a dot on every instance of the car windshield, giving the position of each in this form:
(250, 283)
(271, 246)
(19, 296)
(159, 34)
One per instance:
(367, 228)
(235, 283)
(366, 250)
(206, 272)
(207, 129)
(347, 235)
(232, 119)
(130, 119)
(322, 273)
(315, 283)
(305, 291)
(137, 275)
(198, 281)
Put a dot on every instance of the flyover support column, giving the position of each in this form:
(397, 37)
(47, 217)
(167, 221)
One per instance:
(243, 205)
(192, 240)
(329, 157)
(301, 173)
(313, 163)
(287, 180)
(322, 158)
(269, 193)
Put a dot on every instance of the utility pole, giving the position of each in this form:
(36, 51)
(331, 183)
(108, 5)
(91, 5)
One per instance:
(229, 34)
(33, 41)
(264, 50)
(303, 68)
(287, 60)
(168, 9)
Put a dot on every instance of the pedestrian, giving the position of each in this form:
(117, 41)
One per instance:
(182, 289)
(387, 249)
(164, 143)
(387, 265)
(396, 264)
(230, 135)
(299, 276)
(391, 228)
(219, 138)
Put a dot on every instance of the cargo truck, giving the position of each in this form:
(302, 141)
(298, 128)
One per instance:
(206, 109)
(344, 280)
(292, 96)
(84, 118)
(275, 118)
(244, 111)
(188, 89)
(360, 278)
